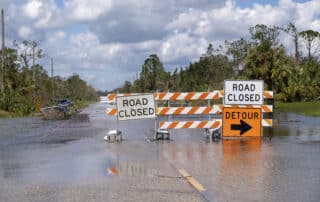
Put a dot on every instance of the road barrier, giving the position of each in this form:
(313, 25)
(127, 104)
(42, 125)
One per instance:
(174, 96)
(238, 126)
(213, 124)
(104, 99)
(216, 123)
(214, 109)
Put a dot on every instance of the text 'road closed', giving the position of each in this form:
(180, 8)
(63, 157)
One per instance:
(241, 122)
(243, 92)
(136, 107)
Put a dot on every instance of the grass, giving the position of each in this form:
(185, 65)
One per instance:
(303, 108)
(5, 114)
(80, 104)
(76, 105)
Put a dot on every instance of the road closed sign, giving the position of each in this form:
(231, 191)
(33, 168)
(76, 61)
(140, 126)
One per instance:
(135, 107)
(243, 92)
(241, 122)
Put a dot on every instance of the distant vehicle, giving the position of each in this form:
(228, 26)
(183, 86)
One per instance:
(57, 112)
(54, 112)
(64, 103)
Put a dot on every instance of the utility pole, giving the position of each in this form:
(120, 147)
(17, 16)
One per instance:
(2, 53)
(33, 63)
(35, 92)
(52, 79)
(2, 22)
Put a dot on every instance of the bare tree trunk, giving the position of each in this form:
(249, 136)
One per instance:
(2, 52)
(296, 46)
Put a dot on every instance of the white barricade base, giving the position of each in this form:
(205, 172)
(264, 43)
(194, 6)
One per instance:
(113, 136)
(162, 134)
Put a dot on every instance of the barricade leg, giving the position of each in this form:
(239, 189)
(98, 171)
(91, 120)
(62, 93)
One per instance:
(162, 135)
(212, 134)
(113, 135)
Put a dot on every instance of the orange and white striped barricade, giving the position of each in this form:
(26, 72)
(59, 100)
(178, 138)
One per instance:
(212, 95)
(103, 99)
(214, 124)
(214, 109)
(174, 96)
(211, 127)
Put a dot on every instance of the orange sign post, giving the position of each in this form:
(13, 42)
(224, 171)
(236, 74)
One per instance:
(241, 122)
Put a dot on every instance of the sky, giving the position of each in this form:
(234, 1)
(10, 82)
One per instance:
(107, 41)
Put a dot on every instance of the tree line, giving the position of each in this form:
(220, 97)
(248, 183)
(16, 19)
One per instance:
(262, 57)
(23, 81)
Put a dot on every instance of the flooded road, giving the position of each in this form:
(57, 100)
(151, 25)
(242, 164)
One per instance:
(68, 160)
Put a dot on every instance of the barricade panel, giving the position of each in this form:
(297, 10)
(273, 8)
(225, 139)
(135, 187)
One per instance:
(172, 96)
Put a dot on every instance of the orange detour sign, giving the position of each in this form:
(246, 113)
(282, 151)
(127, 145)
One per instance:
(241, 122)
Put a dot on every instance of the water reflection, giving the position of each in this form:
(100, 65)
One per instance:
(241, 164)
(240, 146)
(234, 166)
(131, 169)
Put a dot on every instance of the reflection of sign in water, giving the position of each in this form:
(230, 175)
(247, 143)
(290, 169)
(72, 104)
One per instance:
(239, 146)
(132, 169)
(243, 92)
(37, 105)
(241, 122)
(136, 107)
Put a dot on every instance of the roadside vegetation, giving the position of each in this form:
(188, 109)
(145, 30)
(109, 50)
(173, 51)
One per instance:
(5, 114)
(303, 108)
(292, 77)
(80, 104)
(23, 84)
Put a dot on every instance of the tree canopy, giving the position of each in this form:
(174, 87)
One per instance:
(24, 83)
(293, 77)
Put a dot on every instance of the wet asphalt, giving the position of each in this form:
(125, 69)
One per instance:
(68, 160)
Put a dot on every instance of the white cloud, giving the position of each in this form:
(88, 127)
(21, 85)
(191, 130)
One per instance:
(86, 10)
(308, 14)
(115, 36)
(32, 8)
(84, 40)
(231, 21)
(24, 32)
(180, 47)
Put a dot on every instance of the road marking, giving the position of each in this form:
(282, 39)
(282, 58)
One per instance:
(191, 180)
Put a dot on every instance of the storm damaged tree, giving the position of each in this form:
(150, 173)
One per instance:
(126, 88)
(29, 51)
(238, 50)
(152, 76)
(15, 91)
(292, 30)
(263, 56)
(20, 88)
(312, 42)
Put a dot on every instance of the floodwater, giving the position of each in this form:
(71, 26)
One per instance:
(67, 160)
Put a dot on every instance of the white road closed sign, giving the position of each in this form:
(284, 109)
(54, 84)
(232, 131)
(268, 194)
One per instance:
(136, 107)
(243, 92)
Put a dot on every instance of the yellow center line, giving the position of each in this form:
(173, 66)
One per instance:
(191, 180)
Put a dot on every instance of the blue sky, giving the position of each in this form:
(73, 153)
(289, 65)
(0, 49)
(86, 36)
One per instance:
(106, 41)
(59, 3)
(249, 3)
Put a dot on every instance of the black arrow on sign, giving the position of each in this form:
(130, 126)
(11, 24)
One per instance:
(243, 127)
